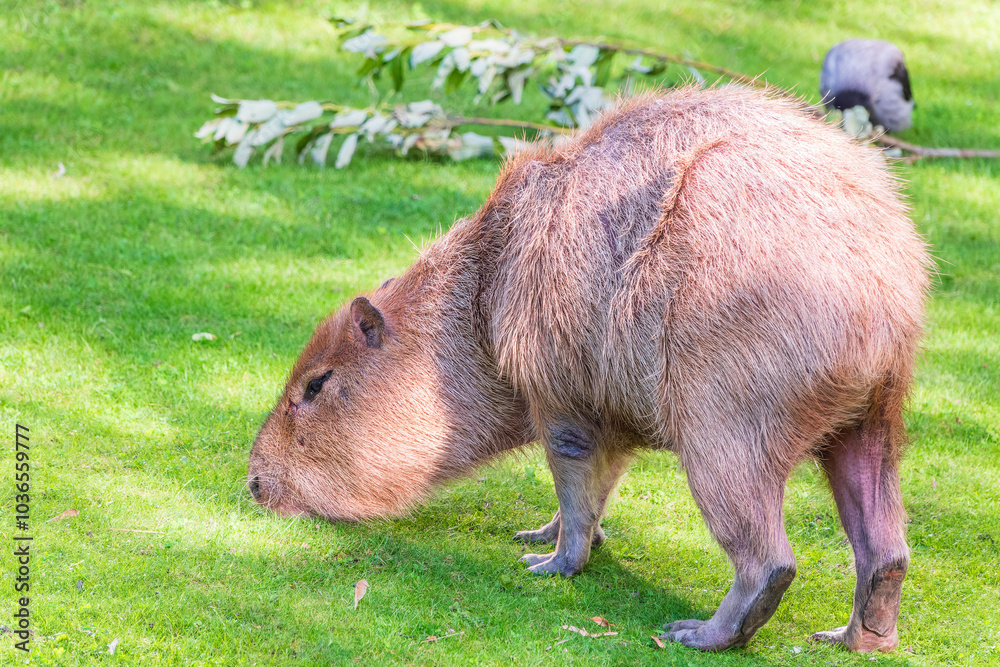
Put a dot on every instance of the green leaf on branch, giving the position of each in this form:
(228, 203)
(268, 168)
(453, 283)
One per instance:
(352, 118)
(397, 68)
(471, 145)
(256, 111)
(346, 151)
(301, 114)
(349, 33)
(370, 66)
(235, 131)
(244, 150)
(306, 141)
(454, 81)
(425, 51)
(320, 148)
(275, 151)
(368, 43)
(603, 67)
(340, 22)
(459, 36)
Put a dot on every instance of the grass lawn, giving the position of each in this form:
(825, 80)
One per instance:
(108, 270)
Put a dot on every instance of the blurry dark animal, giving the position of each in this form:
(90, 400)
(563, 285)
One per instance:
(869, 73)
(709, 272)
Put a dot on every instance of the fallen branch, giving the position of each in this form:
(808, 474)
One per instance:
(499, 59)
(922, 151)
(856, 123)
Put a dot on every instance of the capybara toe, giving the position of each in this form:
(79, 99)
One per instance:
(534, 537)
(704, 637)
(689, 624)
(864, 641)
(535, 559)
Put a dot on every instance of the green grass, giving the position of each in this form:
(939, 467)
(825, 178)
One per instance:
(106, 272)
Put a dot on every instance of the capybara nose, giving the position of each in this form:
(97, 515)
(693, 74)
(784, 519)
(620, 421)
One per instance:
(255, 488)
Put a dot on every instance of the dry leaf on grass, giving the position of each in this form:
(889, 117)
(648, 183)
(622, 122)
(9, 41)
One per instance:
(656, 639)
(113, 645)
(65, 515)
(561, 641)
(360, 589)
(603, 622)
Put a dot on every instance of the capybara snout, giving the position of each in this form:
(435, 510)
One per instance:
(711, 272)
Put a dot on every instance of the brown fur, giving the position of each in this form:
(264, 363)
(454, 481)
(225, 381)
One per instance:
(707, 271)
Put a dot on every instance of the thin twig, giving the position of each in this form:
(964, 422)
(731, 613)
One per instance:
(434, 639)
(507, 122)
(679, 60)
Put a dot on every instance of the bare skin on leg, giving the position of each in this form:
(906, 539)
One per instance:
(608, 477)
(865, 482)
(584, 475)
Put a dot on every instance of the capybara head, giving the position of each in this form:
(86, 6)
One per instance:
(374, 413)
(323, 450)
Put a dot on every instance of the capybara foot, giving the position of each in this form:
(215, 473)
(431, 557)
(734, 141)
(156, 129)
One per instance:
(549, 564)
(545, 535)
(861, 642)
(535, 559)
(701, 635)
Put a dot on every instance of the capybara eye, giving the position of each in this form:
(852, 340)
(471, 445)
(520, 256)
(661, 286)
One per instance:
(316, 385)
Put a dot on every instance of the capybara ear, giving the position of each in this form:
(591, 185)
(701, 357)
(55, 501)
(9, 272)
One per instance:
(369, 321)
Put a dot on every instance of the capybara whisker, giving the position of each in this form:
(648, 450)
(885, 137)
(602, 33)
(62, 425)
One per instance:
(711, 272)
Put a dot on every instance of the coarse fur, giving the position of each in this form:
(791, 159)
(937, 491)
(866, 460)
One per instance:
(710, 272)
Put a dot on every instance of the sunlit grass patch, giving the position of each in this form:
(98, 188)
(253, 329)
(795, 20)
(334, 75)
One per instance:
(109, 268)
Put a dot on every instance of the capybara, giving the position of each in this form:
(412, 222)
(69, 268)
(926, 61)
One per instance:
(710, 272)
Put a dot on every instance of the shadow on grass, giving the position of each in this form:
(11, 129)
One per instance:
(426, 580)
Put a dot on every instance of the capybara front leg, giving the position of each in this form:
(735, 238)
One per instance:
(608, 475)
(549, 533)
(743, 511)
(864, 477)
(580, 470)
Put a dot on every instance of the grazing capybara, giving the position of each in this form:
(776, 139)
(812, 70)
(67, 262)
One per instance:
(710, 272)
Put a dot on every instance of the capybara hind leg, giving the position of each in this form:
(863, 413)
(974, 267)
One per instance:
(584, 475)
(743, 511)
(863, 473)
